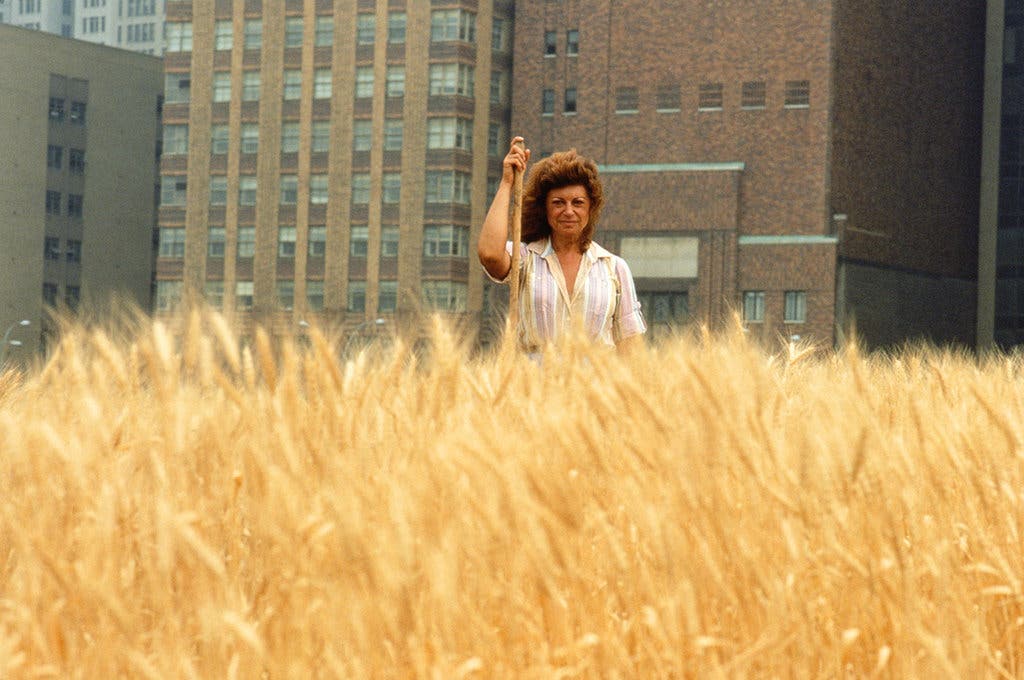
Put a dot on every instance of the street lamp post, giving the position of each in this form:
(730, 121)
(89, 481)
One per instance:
(357, 331)
(7, 341)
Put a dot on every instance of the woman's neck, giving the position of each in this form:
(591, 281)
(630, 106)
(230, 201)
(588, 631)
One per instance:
(562, 246)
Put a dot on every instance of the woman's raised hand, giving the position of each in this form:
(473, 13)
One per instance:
(515, 160)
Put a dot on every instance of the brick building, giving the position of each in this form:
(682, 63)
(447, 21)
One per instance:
(809, 164)
(330, 159)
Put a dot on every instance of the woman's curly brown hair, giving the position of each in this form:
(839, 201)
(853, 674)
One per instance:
(558, 170)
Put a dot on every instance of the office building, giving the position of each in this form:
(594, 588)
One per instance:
(77, 203)
(136, 25)
(809, 165)
(330, 160)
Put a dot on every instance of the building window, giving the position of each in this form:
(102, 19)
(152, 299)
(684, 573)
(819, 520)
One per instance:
(54, 156)
(448, 186)
(173, 189)
(547, 104)
(56, 109)
(361, 188)
(179, 37)
(247, 190)
(289, 189)
(356, 296)
(393, 133)
(452, 24)
(321, 136)
(499, 87)
(753, 95)
(74, 252)
(215, 242)
(396, 28)
(753, 306)
(710, 97)
(76, 113)
(289, 137)
(51, 248)
(221, 86)
(795, 307)
(572, 43)
(218, 190)
(53, 203)
(389, 234)
(499, 34)
(665, 308)
(293, 27)
(359, 240)
(448, 79)
(314, 295)
(253, 34)
(76, 161)
(392, 188)
(570, 100)
(495, 139)
(50, 293)
(362, 135)
(286, 241)
(322, 83)
(798, 94)
(448, 296)
(243, 295)
(177, 88)
(286, 294)
(395, 85)
(627, 100)
(292, 84)
(318, 189)
(667, 98)
(364, 82)
(445, 240)
(223, 35)
(168, 295)
(550, 43)
(250, 86)
(387, 296)
(250, 138)
(366, 26)
(246, 241)
(317, 241)
(450, 133)
(324, 31)
(213, 292)
(172, 242)
(72, 296)
(219, 139)
(175, 140)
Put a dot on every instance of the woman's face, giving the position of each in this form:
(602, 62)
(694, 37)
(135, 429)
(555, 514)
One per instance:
(568, 210)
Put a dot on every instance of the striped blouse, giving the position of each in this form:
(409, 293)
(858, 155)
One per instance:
(603, 297)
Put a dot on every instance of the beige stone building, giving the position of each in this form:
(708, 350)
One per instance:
(77, 211)
(330, 160)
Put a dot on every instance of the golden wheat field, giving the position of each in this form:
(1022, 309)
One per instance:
(178, 503)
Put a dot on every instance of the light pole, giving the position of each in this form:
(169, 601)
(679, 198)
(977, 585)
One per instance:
(6, 340)
(357, 331)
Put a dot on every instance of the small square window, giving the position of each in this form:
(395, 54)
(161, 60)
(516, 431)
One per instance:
(215, 242)
(710, 97)
(317, 241)
(668, 98)
(570, 100)
(293, 27)
(798, 94)
(572, 43)
(753, 306)
(356, 296)
(795, 307)
(753, 95)
(286, 241)
(547, 106)
(550, 43)
(627, 100)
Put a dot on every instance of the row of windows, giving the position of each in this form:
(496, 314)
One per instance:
(439, 240)
(442, 186)
(446, 25)
(138, 33)
(440, 295)
(668, 98)
(75, 114)
(444, 132)
(51, 295)
(74, 203)
(55, 159)
(572, 43)
(795, 306)
(72, 251)
(141, 8)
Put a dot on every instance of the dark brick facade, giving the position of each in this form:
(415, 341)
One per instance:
(826, 107)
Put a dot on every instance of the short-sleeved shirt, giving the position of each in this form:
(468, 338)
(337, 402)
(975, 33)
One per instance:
(603, 299)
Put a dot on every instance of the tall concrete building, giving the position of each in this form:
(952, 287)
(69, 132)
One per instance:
(331, 159)
(812, 165)
(136, 25)
(77, 209)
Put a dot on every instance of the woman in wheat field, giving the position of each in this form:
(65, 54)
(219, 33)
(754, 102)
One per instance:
(565, 278)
